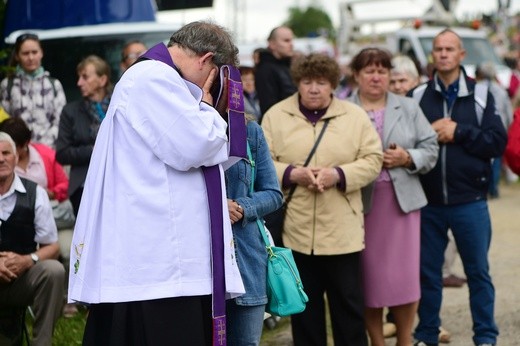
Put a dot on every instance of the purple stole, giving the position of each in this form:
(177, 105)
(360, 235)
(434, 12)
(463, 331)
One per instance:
(212, 178)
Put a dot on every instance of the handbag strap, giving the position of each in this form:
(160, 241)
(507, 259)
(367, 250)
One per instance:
(252, 189)
(313, 150)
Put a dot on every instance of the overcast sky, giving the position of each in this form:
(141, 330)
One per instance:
(258, 17)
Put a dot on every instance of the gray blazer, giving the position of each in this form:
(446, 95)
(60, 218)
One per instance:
(406, 125)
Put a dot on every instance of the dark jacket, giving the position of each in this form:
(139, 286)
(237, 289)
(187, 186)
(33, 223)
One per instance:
(76, 137)
(273, 80)
(463, 168)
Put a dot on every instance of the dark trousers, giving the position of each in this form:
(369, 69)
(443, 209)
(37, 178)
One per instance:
(339, 277)
(182, 321)
(75, 198)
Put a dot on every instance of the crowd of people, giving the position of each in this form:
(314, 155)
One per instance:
(389, 170)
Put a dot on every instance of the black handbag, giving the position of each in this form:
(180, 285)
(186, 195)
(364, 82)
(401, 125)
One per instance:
(274, 221)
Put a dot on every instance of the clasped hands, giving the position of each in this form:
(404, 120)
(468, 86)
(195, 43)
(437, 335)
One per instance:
(12, 265)
(316, 179)
(445, 129)
(395, 156)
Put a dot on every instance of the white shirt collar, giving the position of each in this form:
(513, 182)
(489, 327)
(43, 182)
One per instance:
(17, 185)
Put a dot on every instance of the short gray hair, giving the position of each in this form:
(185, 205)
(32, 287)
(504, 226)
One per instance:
(202, 37)
(4, 137)
(486, 70)
(404, 64)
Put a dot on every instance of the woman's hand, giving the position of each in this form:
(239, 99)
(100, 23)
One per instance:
(315, 178)
(326, 178)
(235, 211)
(396, 156)
(51, 194)
(303, 176)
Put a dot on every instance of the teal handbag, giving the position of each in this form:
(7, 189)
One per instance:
(285, 294)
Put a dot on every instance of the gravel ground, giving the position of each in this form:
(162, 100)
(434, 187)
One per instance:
(505, 271)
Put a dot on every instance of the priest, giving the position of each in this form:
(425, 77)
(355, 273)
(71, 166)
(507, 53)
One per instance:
(152, 253)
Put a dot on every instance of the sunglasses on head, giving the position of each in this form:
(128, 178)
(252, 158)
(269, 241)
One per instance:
(27, 36)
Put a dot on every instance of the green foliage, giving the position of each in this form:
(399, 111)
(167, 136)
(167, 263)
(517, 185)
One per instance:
(68, 331)
(4, 53)
(310, 22)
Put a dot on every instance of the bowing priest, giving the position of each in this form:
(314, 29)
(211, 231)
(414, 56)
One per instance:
(152, 253)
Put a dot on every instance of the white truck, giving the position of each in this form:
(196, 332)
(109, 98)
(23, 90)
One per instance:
(414, 38)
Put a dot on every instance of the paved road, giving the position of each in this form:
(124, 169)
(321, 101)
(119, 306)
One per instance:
(505, 270)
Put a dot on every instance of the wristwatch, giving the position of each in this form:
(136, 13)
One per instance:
(35, 258)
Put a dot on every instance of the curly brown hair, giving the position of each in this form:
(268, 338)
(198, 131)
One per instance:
(313, 66)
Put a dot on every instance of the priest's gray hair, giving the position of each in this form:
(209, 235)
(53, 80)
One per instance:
(202, 37)
(4, 137)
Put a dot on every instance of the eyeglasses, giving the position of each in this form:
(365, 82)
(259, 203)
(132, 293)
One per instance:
(28, 36)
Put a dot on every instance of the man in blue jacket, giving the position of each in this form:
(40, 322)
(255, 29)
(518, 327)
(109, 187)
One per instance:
(470, 133)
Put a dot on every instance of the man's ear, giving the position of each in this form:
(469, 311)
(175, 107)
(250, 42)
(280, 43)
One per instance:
(205, 59)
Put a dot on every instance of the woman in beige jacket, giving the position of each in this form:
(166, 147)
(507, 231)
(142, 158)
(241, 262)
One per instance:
(324, 220)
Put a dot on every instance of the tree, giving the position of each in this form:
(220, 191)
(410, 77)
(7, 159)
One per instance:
(4, 53)
(310, 22)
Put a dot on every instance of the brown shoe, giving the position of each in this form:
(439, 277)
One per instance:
(70, 310)
(444, 336)
(453, 281)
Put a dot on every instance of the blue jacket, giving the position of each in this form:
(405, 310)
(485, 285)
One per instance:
(463, 168)
(250, 247)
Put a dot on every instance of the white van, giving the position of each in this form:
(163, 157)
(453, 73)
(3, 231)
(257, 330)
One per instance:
(64, 48)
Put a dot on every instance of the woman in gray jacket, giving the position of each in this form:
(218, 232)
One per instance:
(392, 203)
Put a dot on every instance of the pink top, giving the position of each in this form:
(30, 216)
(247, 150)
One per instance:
(44, 170)
(378, 119)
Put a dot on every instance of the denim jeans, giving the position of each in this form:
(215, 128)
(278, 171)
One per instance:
(244, 324)
(471, 227)
(494, 181)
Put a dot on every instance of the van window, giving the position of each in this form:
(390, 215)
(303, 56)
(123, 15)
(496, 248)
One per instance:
(61, 56)
(406, 48)
(478, 50)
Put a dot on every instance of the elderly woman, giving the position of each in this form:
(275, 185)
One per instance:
(392, 204)
(404, 75)
(80, 121)
(31, 93)
(324, 219)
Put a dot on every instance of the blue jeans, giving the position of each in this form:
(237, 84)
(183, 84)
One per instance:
(471, 227)
(244, 324)
(496, 169)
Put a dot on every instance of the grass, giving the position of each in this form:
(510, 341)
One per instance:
(69, 331)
